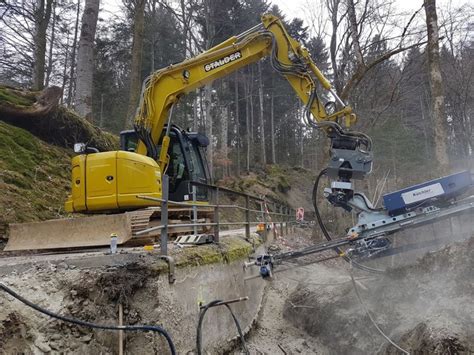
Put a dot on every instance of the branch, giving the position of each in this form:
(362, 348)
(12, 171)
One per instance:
(193, 37)
(362, 70)
(410, 21)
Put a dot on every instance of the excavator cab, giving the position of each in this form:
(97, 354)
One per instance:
(187, 161)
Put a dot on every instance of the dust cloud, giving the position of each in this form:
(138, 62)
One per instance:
(423, 301)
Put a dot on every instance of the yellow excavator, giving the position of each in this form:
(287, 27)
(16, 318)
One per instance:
(112, 180)
(108, 183)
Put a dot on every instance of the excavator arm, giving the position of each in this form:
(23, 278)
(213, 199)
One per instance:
(287, 56)
(111, 181)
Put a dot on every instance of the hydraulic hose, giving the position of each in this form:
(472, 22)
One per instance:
(201, 318)
(157, 329)
(367, 312)
(326, 233)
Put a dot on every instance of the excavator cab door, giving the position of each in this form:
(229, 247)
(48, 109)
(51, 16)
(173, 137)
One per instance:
(187, 161)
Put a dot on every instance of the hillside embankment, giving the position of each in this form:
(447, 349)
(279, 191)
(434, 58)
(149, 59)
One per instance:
(36, 139)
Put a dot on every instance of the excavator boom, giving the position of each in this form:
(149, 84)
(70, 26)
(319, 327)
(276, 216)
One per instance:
(288, 57)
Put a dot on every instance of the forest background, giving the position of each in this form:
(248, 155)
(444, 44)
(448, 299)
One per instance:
(376, 55)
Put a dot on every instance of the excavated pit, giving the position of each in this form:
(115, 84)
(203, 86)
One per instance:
(91, 287)
(425, 307)
(86, 295)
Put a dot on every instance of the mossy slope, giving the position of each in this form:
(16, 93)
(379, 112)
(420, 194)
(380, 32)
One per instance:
(34, 177)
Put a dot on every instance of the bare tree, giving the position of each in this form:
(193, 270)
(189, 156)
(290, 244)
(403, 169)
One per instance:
(351, 33)
(49, 69)
(262, 122)
(42, 14)
(354, 30)
(70, 91)
(337, 16)
(135, 71)
(272, 125)
(436, 84)
(85, 59)
(237, 119)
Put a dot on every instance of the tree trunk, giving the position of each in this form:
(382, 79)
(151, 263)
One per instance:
(136, 66)
(272, 127)
(208, 120)
(66, 60)
(70, 91)
(247, 124)
(237, 121)
(436, 86)
(333, 7)
(210, 30)
(42, 15)
(252, 122)
(262, 122)
(195, 111)
(225, 117)
(354, 32)
(302, 145)
(51, 46)
(153, 39)
(85, 60)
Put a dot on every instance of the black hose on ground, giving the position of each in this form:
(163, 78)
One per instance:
(201, 318)
(157, 329)
(326, 233)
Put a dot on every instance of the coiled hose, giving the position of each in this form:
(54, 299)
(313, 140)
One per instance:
(152, 328)
(201, 318)
(326, 233)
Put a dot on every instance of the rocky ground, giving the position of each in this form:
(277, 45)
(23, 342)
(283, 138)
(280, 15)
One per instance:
(69, 291)
(424, 305)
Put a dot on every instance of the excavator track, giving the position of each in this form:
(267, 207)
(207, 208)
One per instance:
(95, 231)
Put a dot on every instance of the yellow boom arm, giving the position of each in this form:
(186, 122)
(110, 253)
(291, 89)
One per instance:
(289, 57)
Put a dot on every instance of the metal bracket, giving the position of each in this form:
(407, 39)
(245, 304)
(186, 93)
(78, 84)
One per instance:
(171, 267)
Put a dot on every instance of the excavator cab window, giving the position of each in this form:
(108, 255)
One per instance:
(128, 140)
(187, 161)
(177, 164)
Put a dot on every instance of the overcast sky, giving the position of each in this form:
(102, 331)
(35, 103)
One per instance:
(298, 8)
(303, 8)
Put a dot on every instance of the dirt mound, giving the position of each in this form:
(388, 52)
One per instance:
(82, 294)
(424, 339)
(115, 285)
(13, 332)
(425, 307)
